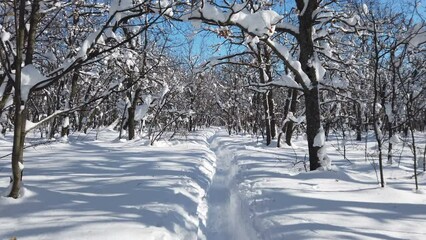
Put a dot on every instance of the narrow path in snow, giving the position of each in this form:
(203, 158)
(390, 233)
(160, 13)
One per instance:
(225, 220)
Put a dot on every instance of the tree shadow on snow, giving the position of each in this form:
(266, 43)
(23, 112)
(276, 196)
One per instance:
(87, 183)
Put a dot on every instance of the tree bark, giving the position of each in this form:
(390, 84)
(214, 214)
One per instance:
(293, 108)
(20, 112)
(285, 114)
(358, 121)
(266, 96)
(313, 124)
(267, 118)
(313, 116)
(377, 87)
(131, 122)
(272, 114)
(70, 101)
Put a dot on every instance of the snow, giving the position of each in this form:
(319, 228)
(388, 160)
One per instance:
(379, 130)
(319, 139)
(30, 76)
(211, 12)
(110, 190)
(285, 202)
(165, 5)
(164, 90)
(289, 26)
(284, 52)
(118, 7)
(252, 41)
(30, 125)
(65, 122)
(365, 9)
(325, 161)
(326, 49)
(142, 110)
(21, 166)
(87, 43)
(110, 34)
(211, 186)
(319, 69)
(388, 111)
(395, 139)
(378, 107)
(305, 6)
(291, 117)
(286, 81)
(227, 218)
(5, 36)
(260, 23)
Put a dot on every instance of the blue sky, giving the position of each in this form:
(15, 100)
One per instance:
(204, 42)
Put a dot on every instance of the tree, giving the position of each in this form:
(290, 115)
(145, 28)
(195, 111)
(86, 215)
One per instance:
(261, 24)
(27, 79)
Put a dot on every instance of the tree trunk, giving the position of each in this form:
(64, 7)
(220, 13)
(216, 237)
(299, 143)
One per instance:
(293, 108)
(70, 101)
(131, 122)
(267, 118)
(20, 112)
(358, 122)
(313, 124)
(391, 118)
(307, 54)
(377, 91)
(82, 121)
(190, 124)
(285, 114)
(267, 77)
(414, 150)
(123, 120)
(272, 114)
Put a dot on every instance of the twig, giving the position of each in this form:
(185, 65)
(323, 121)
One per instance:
(32, 145)
(340, 152)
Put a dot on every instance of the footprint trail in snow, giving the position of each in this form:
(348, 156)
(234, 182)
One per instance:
(224, 219)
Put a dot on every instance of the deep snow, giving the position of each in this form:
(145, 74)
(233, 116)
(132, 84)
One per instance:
(109, 189)
(227, 218)
(208, 185)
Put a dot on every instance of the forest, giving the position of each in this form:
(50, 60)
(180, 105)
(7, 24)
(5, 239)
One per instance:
(212, 119)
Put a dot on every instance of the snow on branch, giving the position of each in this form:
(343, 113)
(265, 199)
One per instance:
(285, 81)
(31, 125)
(287, 27)
(216, 61)
(30, 76)
(259, 23)
(87, 54)
(294, 65)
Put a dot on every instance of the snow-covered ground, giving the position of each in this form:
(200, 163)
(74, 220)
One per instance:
(285, 202)
(106, 189)
(211, 186)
